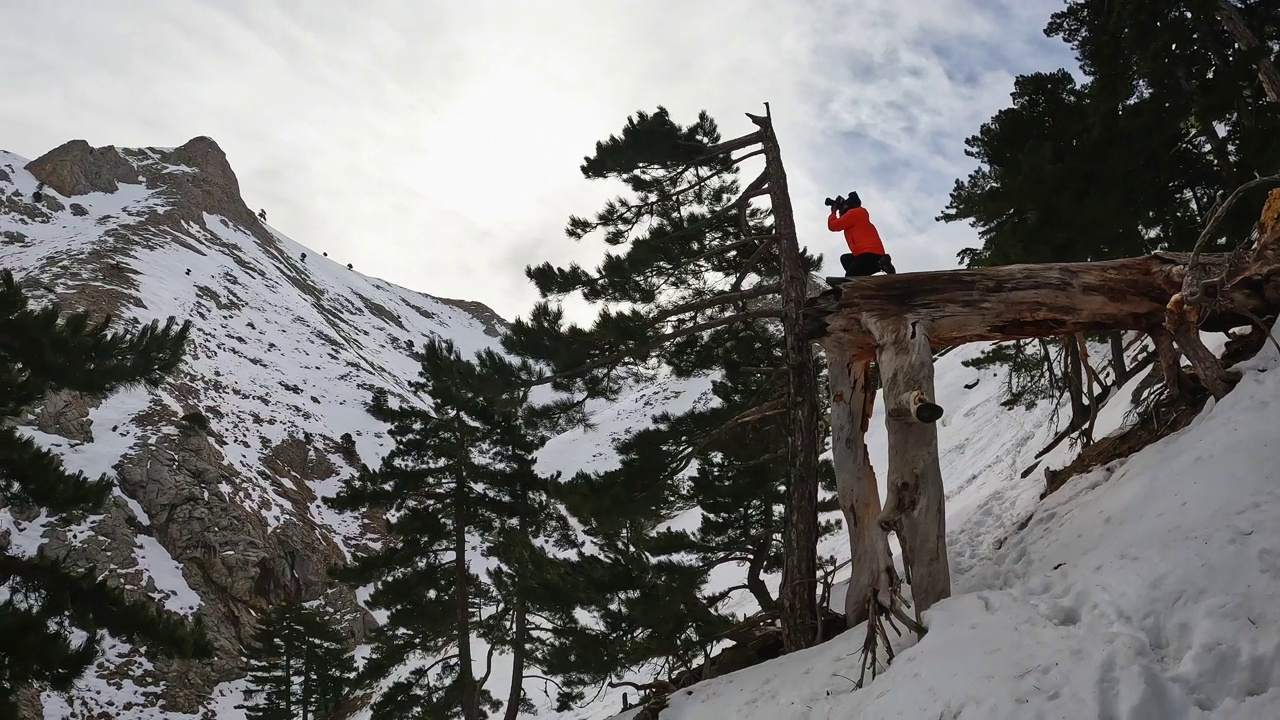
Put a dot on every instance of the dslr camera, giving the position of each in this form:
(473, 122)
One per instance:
(842, 203)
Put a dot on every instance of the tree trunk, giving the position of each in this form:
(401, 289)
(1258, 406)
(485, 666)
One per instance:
(288, 683)
(1206, 364)
(1075, 380)
(1170, 363)
(518, 639)
(1119, 368)
(851, 401)
(755, 570)
(916, 497)
(1011, 302)
(1235, 24)
(306, 682)
(470, 698)
(797, 597)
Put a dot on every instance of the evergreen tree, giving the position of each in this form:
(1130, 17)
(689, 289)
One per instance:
(299, 667)
(1174, 114)
(43, 605)
(459, 484)
(696, 269)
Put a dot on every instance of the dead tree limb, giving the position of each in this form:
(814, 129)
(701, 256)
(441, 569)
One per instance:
(1014, 302)
(1170, 363)
(797, 597)
(856, 490)
(916, 495)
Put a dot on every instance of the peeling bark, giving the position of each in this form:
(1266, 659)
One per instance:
(916, 497)
(851, 401)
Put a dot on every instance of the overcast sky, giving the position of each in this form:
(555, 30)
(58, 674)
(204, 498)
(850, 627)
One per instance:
(437, 143)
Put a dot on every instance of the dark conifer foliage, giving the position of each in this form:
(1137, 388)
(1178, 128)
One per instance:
(692, 289)
(298, 666)
(44, 604)
(460, 483)
(1174, 113)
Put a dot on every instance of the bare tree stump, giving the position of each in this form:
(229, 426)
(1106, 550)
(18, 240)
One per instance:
(851, 401)
(915, 504)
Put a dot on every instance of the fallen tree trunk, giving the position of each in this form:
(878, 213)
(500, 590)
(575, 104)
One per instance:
(1013, 302)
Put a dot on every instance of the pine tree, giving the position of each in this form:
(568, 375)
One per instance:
(646, 584)
(298, 666)
(460, 480)
(1173, 115)
(699, 261)
(44, 604)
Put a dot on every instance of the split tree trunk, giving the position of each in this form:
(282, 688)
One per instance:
(798, 595)
(1235, 24)
(851, 400)
(915, 505)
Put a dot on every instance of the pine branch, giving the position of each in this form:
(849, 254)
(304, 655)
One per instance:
(716, 301)
(771, 241)
(685, 332)
(729, 146)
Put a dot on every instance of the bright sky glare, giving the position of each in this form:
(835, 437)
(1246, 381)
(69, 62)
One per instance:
(437, 144)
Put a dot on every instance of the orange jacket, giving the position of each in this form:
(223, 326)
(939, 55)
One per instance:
(858, 231)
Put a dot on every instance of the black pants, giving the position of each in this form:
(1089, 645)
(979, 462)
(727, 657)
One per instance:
(861, 264)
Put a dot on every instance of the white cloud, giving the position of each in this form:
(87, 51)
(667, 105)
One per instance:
(437, 144)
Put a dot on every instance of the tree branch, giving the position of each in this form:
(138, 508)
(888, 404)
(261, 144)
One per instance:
(718, 300)
(1219, 211)
(730, 145)
(762, 313)
(748, 155)
(655, 686)
(771, 241)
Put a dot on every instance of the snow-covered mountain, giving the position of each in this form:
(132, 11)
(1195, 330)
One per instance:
(286, 347)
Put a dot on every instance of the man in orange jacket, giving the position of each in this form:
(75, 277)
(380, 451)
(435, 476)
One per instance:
(866, 254)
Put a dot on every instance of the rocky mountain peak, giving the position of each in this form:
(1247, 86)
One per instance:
(224, 518)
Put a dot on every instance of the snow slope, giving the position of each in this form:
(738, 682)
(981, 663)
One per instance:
(287, 347)
(1145, 589)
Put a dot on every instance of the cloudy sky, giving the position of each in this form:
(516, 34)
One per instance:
(436, 143)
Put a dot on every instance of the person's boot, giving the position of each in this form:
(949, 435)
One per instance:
(886, 264)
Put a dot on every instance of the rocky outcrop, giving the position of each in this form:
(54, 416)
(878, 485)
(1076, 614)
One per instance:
(76, 168)
(221, 470)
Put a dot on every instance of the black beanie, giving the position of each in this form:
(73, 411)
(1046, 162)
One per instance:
(853, 201)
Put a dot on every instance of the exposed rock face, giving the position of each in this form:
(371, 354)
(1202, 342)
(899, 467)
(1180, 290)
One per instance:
(75, 168)
(224, 518)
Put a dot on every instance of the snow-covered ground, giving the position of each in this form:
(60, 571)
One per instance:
(1146, 589)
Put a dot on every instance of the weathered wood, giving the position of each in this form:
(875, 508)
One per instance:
(1174, 379)
(915, 506)
(1207, 366)
(1014, 301)
(852, 398)
(797, 598)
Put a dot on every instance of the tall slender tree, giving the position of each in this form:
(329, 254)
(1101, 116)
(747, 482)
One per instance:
(697, 257)
(43, 605)
(458, 486)
(298, 664)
